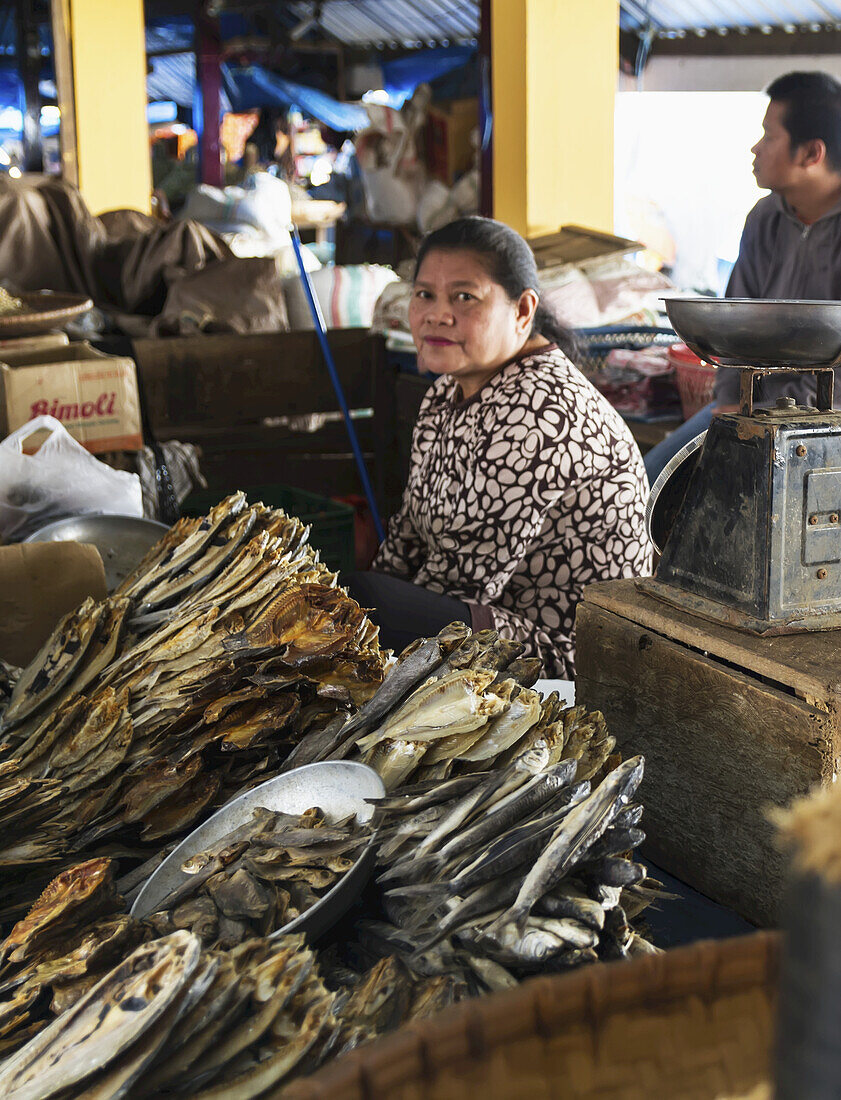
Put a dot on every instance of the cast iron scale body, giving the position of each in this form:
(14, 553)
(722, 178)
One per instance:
(756, 543)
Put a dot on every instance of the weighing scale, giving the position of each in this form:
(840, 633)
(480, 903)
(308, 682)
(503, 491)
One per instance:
(755, 542)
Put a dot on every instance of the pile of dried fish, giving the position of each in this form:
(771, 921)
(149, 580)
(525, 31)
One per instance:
(174, 1020)
(387, 996)
(527, 866)
(77, 932)
(143, 713)
(74, 934)
(458, 702)
(259, 877)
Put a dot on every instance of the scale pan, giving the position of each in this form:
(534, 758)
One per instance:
(759, 332)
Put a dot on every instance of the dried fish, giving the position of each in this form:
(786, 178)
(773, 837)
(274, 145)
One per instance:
(486, 871)
(585, 823)
(145, 733)
(262, 875)
(55, 664)
(103, 1023)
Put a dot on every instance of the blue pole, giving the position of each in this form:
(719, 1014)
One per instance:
(321, 330)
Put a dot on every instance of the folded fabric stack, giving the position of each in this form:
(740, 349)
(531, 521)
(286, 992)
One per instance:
(640, 384)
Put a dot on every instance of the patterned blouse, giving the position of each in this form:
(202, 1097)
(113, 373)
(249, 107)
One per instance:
(517, 498)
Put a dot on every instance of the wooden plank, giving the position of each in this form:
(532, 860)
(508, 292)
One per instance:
(410, 390)
(331, 438)
(389, 476)
(572, 244)
(65, 88)
(809, 664)
(227, 380)
(332, 475)
(719, 746)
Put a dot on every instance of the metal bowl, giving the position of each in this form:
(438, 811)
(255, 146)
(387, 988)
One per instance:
(669, 489)
(759, 332)
(122, 541)
(338, 787)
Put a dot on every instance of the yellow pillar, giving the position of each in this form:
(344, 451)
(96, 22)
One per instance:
(554, 65)
(108, 101)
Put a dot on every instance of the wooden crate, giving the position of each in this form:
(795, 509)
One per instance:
(222, 392)
(729, 724)
(449, 150)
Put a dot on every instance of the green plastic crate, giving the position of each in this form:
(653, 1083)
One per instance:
(331, 523)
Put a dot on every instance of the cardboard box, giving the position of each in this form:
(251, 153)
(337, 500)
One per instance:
(39, 583)
(93, 395)
(14, 346)
(449, 148)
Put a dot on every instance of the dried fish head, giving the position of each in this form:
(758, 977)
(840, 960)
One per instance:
(381, 1000)
(509, 727)
(307, 619)
(79, 889)
(240, 896)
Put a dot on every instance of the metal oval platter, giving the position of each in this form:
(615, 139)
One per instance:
(338, 787)
(121, 540)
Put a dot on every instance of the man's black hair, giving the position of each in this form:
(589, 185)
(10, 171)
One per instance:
(812, 103)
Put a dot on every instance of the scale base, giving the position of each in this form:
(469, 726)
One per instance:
(715, 612)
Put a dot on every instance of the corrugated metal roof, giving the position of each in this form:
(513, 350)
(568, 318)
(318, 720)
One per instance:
(406, 23)
(671, 16)
(420, 23)
(416, 23)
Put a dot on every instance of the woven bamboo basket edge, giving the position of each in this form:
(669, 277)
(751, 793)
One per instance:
(546, 1006)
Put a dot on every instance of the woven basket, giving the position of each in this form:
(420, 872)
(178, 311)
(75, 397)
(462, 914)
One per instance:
(46, 310)
(695, 1023)
(695, 383)
(593, 345)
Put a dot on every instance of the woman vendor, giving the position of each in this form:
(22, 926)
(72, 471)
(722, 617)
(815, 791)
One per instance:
(525, 484)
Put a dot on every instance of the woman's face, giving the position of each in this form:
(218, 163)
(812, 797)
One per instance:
(463, 323)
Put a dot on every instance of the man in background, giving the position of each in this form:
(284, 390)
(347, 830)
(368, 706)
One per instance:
(791, 243)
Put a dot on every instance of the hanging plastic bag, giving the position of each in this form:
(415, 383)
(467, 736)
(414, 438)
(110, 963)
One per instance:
(60, 479)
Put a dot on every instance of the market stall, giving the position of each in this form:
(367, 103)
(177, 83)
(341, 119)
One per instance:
(239, 841)
(247, 850)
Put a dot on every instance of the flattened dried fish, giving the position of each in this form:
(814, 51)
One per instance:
(104, 1022)
(58, 660)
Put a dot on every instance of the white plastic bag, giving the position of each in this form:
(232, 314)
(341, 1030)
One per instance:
(60, 479)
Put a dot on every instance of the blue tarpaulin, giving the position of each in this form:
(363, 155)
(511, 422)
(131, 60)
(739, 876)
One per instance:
(11, 89)
(404, 74)
(174, 77)
(12, 104)
(254, 86)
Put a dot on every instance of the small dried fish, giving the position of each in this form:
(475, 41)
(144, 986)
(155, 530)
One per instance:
(486, 869)
(262, 875)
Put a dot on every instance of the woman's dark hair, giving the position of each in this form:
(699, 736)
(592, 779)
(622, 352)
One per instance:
(507, 259)
(812, 104)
